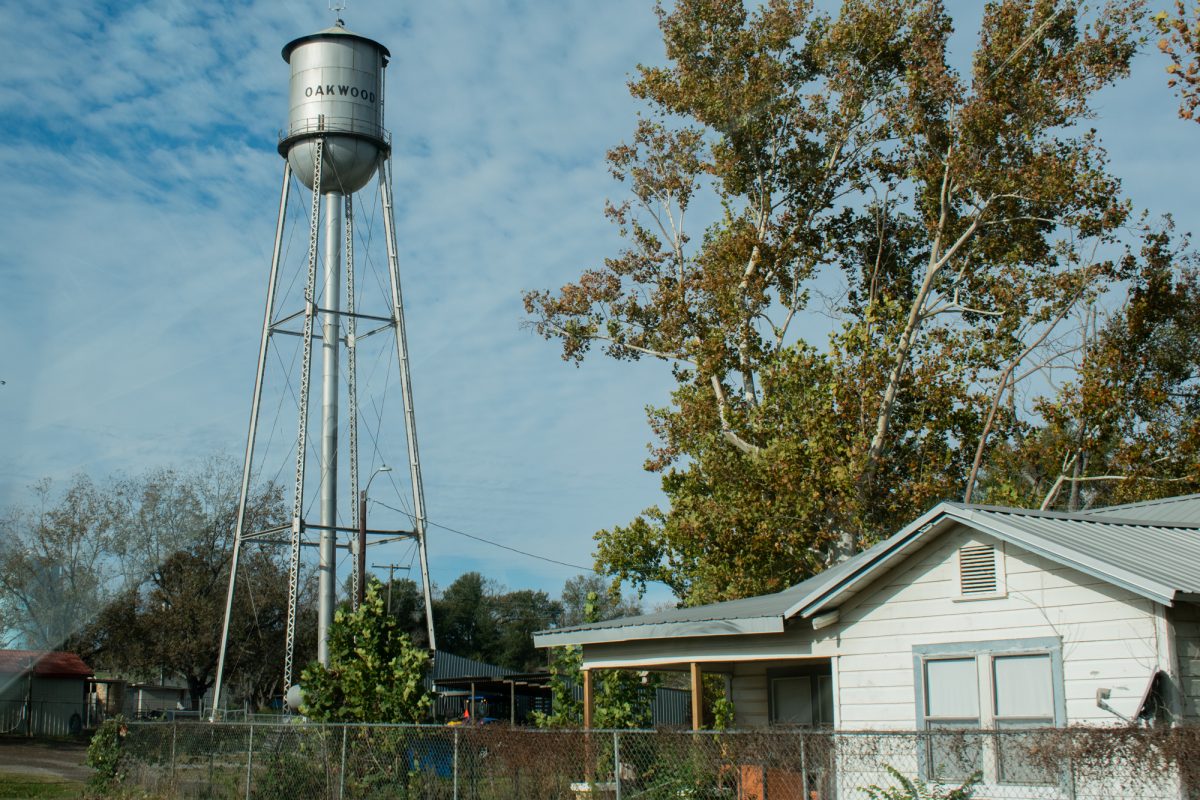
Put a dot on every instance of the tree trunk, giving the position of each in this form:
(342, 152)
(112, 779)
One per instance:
(197, 688)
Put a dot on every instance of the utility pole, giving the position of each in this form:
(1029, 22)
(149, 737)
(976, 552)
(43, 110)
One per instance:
(391, 568)
(360, 557)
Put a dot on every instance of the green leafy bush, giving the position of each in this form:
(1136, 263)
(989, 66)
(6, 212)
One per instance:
(910, 789)
(105, 754)
(375, 672)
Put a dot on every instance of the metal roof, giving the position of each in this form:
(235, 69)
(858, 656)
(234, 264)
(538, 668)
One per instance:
(1185, 508)
(332, 34)
(1153, 558)
(448, 665)
(761, 614)
(1156, 560)
(1152, 549)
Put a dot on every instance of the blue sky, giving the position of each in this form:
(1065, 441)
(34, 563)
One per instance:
(142, 183)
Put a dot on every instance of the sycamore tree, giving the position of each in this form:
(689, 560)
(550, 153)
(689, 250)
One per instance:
(1181, 44)
(951, 229)
(1126, 425)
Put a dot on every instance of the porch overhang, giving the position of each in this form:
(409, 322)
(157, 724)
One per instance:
(661, 630)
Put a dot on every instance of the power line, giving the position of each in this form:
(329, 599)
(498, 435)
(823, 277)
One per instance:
(494, 544)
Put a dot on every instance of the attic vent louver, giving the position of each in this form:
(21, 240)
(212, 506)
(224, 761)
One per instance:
(977, 570)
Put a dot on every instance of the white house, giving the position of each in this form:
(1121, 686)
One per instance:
(971, 617)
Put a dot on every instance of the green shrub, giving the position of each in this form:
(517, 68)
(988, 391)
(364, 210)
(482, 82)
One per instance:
(106, 754)
(910, 789)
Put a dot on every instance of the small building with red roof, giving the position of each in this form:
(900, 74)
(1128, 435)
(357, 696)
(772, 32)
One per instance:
(43, 692)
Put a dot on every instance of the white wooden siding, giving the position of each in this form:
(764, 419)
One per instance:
(1186, 619)
(1108, 634)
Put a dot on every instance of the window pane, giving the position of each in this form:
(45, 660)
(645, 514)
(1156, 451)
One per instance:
(954, 754)
(793, 700)
(1016, 752)
(951, 688)
(825, 699)
(1023, 686)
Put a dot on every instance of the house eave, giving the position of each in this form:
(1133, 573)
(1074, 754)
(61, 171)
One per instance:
(660, 630)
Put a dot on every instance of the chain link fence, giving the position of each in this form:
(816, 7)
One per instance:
(360, 762)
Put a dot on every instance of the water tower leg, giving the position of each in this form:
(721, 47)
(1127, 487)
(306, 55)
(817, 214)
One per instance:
(410, 425)
(310, 293)
(358, 578)
(330, 346)
(255, 404)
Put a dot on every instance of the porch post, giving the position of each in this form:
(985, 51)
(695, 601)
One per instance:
(587, 698)
(697, 697)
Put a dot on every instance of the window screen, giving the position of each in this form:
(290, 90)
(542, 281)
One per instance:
(952, 705)
(1024, 698)
(825, 699)
(952, 689)
(1014, 687)
(1023, 687)
(793, 700)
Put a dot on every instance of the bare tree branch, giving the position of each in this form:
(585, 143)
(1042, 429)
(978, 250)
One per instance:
(726, 431)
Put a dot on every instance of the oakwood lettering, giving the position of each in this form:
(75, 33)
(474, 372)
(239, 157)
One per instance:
(340, 89)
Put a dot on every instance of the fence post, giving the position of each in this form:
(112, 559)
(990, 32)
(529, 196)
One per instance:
(617, 762)
(1071, 770)
(174, 731)
(249, 760)
(803, 765)
(456, 764)
(342, 771)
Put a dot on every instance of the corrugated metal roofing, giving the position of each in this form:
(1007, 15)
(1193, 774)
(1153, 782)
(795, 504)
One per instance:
(1152, 559)
(448, 665)
(1185, 509)
(761, 614)
(1151, 548)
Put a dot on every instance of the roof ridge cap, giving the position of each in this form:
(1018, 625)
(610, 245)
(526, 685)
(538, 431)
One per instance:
(1074, 516)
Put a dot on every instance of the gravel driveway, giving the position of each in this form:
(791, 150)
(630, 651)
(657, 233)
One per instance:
(45, 758)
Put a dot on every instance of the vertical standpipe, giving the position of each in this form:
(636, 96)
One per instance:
(330, 319)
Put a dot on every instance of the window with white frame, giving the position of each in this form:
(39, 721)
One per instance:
(1008, 686)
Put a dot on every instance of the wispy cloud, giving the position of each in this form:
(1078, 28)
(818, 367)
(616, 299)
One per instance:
(141, 183)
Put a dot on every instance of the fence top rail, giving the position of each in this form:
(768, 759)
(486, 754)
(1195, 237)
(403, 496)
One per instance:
(300, 723)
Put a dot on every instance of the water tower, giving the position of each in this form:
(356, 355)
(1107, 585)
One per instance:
(335, 143)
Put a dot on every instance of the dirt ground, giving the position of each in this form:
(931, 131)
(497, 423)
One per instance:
(51, 759)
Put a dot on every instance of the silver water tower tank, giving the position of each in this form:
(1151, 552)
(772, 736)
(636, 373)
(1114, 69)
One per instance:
(336, 93)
